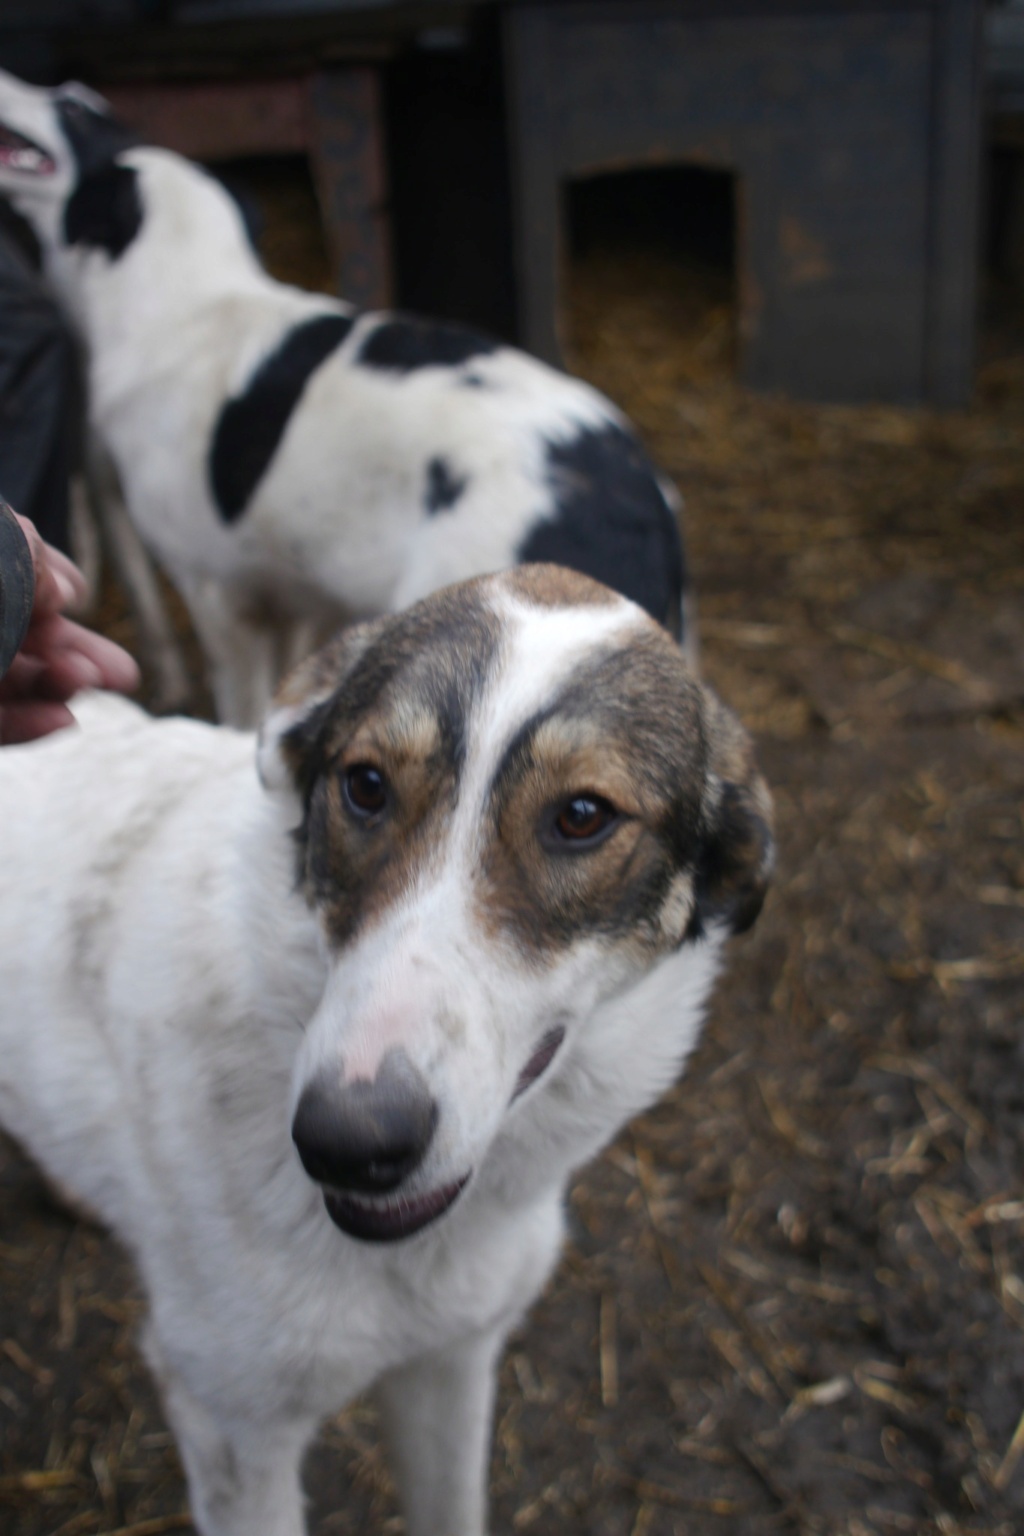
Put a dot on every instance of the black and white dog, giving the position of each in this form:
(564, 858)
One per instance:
(293, 464)
(323, 1045)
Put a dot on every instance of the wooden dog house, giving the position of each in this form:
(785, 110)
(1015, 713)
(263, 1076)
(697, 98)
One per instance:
(852, 127)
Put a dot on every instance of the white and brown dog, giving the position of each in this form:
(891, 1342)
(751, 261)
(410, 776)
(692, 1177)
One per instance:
(292, 464)
(323, 1041)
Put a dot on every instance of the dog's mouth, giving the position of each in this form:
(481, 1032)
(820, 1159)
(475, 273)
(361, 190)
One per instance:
(388, 1218)
(539, 1062)
(17, 153)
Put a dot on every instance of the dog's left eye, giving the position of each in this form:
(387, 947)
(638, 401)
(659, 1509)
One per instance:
(366, 790)
(584, 819)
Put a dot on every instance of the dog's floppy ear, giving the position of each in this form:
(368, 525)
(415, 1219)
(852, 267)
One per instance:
(95, 136)
(292, 728)
(737, 849)
(105, 210)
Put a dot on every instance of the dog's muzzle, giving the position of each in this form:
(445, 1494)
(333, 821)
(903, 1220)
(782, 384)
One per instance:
(17, 153)
(362, 1140)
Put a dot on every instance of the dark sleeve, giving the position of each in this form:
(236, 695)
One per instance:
(38, 397)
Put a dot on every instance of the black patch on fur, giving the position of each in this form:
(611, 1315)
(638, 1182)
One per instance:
(405, 343)
(611, 522)
(251, 425)
(443, 487)
(105, 211)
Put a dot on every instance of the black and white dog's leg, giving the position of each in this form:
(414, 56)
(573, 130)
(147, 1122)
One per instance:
(241, 652)
(437, 1419)
(84, 540)
(161, 655)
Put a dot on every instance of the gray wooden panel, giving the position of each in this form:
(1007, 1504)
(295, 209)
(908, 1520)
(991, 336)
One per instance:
(842, 341)
(625, 87)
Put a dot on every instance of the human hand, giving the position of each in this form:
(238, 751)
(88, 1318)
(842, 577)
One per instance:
(57, 656)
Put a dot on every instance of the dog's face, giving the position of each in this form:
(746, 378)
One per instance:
(516, 805)
(59, 165)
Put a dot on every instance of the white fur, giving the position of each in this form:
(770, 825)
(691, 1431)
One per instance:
(165, 994)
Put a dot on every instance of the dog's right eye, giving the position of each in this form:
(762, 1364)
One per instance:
(580, 823)
(366, 792)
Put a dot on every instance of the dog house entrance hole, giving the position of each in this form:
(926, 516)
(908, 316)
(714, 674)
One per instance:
(658, 245)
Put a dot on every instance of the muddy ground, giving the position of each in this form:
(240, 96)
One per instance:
(793, 1295)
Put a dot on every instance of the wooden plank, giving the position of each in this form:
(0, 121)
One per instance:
(347, 155)
(218, 120)
(535, 179)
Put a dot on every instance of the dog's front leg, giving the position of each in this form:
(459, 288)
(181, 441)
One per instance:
(243, 1476)
(162, 656)
(240, 653)
(437, 1419)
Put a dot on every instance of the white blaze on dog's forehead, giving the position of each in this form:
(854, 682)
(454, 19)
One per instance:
(542, 647)
(546, 643)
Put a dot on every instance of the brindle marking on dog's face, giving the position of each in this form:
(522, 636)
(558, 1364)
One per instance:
(556, 586)
(409, 685)
(685, 836)
(627, 728)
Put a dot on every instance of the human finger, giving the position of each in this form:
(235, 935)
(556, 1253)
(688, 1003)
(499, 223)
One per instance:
(72, 657)
(59, 583)
(28, 719)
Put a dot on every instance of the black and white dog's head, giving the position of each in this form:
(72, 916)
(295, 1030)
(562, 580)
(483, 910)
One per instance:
(527, 831)
(61, 166)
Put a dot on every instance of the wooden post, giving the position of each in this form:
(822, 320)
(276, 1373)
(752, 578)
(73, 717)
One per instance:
(348, 168)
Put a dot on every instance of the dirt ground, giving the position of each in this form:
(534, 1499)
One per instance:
(793, 1295)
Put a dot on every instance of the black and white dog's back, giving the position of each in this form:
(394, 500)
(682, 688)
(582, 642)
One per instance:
(294, 464)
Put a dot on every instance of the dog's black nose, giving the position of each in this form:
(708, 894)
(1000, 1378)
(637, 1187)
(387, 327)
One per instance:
(366, 1136)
